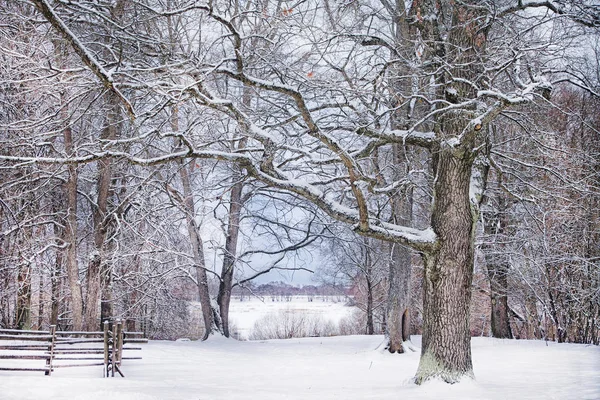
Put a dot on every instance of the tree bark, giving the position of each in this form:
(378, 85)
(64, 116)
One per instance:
(71, 235)
(448, 274)
(500, 322)
(233, 230)
(92, 296)
(98, 298)
(70, 191)
(23, 309)
(229, 258)
(398, 321)
(41, 301)
(400, 268)
(208, 314)
(533, 319)
(55, 282)
(370, 328)
(497, 263)
(398, 299)
(55, 274)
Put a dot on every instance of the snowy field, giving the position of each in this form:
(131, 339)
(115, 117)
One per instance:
(243, 314)
(345, 368)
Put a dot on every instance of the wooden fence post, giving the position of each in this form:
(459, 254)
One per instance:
(51, 350)
(106, 343)
(113, 355)
(119, 341)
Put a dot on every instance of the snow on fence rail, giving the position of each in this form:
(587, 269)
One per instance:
(78, 349)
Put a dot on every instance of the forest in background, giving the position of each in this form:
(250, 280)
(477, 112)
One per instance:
(442, 160)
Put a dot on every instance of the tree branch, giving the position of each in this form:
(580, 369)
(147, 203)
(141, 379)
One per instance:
(79, 48)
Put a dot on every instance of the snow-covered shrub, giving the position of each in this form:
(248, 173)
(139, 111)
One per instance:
(287, 324)
(353, 324)
(168, 318)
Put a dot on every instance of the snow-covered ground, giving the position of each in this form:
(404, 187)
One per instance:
(346, 368)
(243, 314)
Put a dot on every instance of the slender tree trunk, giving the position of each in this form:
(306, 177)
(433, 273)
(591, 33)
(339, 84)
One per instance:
(233, 229)
(500, 322)
(400, 272)
(132, 297)
(71, 236)
(533, 320)
(106, 294)
(41, 301)
(209, 315)
(23, 309)
(448, 274)
(70, 190)
(398, 299)
(400, 266)
(198, 250)
(55, 282)
(370, 328)
(99, 277)
(92, 296)
(229, 258)
(554, 312)
(497, 264)
(99, 274)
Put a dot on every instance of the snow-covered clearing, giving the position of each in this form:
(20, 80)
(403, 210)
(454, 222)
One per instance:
(243, 314)
(350, 367)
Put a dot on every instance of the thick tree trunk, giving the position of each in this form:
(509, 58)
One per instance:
(446, 344)
(448, 274)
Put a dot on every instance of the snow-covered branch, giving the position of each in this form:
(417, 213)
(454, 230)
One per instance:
(88, 59)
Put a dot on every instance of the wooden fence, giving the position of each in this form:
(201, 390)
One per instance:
(69, 349)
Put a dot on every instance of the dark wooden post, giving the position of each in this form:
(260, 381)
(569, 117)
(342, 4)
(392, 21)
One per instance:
(106, 344)
(114, 350)
(117, 348)
(119, 341)
(51, 350)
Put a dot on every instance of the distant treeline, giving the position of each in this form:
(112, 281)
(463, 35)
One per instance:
(285, 289)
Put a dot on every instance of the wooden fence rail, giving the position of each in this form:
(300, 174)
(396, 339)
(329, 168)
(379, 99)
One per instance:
(63, 349)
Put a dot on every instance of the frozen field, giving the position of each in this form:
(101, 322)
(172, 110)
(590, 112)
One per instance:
(243, 314)
(345, 368)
